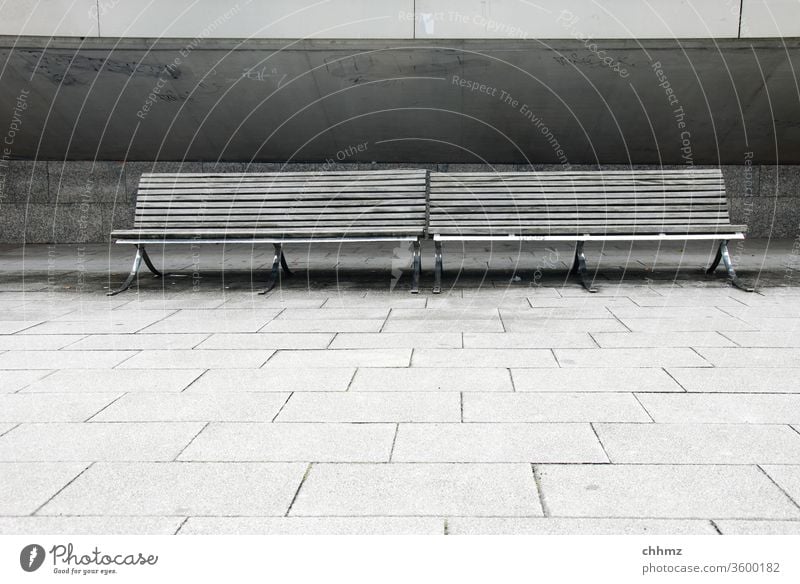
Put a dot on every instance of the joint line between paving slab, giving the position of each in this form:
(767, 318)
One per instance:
(116, 399)
(722, 334)
(352, 378)
(537, 479)
(780, 488)
(278, 413)
(135, 352)
(193, 381)
(190, 442)
(594, 340)
(10, 429)
(600, 442)
(671, 376)
(394, 440)
(27, 385)
(203, 341)
(78, 340)
(715, 526)
(181, 526)
(75, 478)
(300, 486)
(646, 411)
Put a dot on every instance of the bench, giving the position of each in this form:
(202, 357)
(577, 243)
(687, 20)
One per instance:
(567, 206)
(277, 208)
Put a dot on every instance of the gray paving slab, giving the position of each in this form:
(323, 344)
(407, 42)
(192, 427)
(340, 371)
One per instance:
(463, 358)
(375, 302)
(723, 408)
(738, 379)
(63, 359)
(36, 342)
(194, 407)
(431, 379)
(678, 324)
(456, 314)
(354, 406)
(576, 526)
(663, 491)
(40, 407)
(180, 489)
(599, 358)
(26, 486)
(267, 341)
(556, 312)
(341, 358)
(397, 340)
(783, 310)
(274, 379)
(114, 381)
(433, 326)
(313, 526)
(556, 325)
(769, 357)
(418, 490)
(324, 326)
(787, 477)
(552, 407)
(508, 291)
(441, 301)
(334, 313)
(692, 300)
(766, 339)
(755, 527)
(208, 324)
(531, 340)
(14, 380)
(88, 327)
(785, 324)
(585, 301)
(543, 442)
(673, 312)
(265, 442)
(64, 442)
(133, 342)
(89, 525)
(169, 302)
(271, 301)
(686, 443)
(662, 340)
(197, 359)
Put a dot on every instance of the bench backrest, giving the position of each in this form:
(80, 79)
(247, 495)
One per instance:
(579, 203)
(288, 204)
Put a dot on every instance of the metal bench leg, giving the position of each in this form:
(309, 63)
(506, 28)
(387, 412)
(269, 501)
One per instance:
(725, 256)
(137, 263)
(289, 273)
(579, 268)
(437, 271)
(150, 266)
(416, 267)
(275, 273)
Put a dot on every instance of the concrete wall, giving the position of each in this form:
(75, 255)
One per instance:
(401, 19)
(46, 202)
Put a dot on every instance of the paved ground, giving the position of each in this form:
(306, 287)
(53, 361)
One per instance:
(667, 403)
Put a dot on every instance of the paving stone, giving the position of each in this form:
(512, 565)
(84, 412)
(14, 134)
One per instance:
(97, 441)
(761, 339)
(771, 324)
(508, 291)
(443, 326)
(274, 379)
(396, 340)
(771, 357)
(181, 488)
(11, 381)
(576, 526)
(699, 443)
(36, 342)
(271, 301)
(334, 313)
(323, 326)
(292, 443)
(677, 324)
(783, 310)
(63, 359)
(677, 491)
(135, 342)
(313, 526)
(598, 358)
(193, 407)
(207, 324)
(373, 407)
(169, 302)
(552, 407)
(738, 379)
(28, 485)
(723, 408)
(341, 358)
(555, 325)
(532, 340)
(28, 407)
(497, 443)
(467, 313)
(787, 477)
(754, 527)
(553, 312)
(89, 525)
(267, 341)
(197, 359)
(115, 381)
(658, 312)
(418, 490)
(662, 340)
(585, 301)
(483, 358)
(695, 299)
(431, 379)
(88, 327)
(457, 303)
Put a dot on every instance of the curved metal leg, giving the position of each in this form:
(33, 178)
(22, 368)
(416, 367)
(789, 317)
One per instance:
(416, 267)
(137, 263)
(285, 266)
(579, 268)
(726, 259)
(437, 270)
(716, 261)
(150, 266)
(275, 273)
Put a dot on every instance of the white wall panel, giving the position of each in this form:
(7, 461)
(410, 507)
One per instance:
(771, 18)
(48, 17)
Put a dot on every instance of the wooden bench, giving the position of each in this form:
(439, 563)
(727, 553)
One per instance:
(277, 208)
(639, 205)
